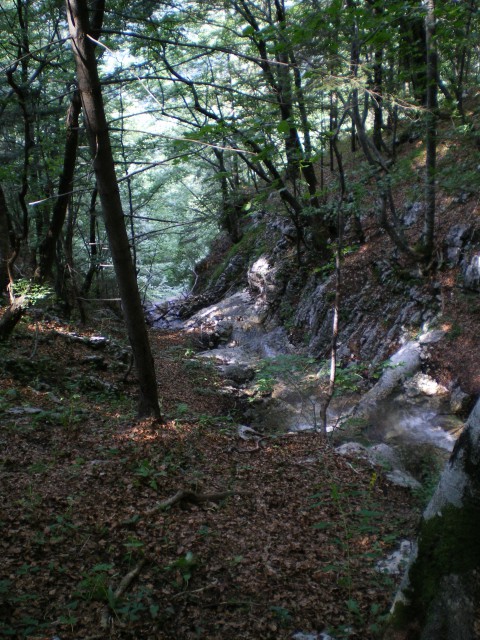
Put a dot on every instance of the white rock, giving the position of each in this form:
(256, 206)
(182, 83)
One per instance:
(395, 563)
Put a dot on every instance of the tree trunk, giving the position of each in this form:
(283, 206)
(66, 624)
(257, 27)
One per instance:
(4, 244)
(12, 316)
(93, 247)
(431, 137)
(97, 129)
(49, 243)
(440, 597)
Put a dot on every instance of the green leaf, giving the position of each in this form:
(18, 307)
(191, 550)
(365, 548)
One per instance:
(102, 567)
(352, 606)
(283, 126)
(370, 514)
(248, 31)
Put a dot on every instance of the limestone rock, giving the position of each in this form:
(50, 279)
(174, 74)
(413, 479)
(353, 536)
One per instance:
(460, 402)
(395, 563)
(238, 373)
(404, 363)
(471, 272)
(412, 212)
(403, 479)
(383, 456)
(455, 242)
(422, 384)
(352, 449)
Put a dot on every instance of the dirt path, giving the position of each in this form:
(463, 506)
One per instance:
(288, 541)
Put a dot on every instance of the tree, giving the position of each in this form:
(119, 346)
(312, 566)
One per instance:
(103, 164)
(5, 250)
(49, 243)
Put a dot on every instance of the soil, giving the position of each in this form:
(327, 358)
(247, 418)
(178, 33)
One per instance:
(87, 551)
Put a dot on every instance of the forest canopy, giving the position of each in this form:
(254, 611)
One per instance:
(213, 109)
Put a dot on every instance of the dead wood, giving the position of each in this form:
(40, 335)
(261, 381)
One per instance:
(195, 498)
(13, 314)
(126, 581)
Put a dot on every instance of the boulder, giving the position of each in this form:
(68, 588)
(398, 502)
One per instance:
(402, 365)
(412, 212)
(438, 598)
(460, 402)
(455, 242)
(239, 373)
(383, 456)
(471, 272)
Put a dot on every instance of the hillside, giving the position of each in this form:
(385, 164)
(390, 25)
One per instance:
(277, 537)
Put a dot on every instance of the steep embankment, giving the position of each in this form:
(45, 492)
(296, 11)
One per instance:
(385, 301)
(264, 310)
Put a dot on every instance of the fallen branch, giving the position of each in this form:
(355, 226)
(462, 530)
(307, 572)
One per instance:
(195, 498)
(189, 594)
(126, 581)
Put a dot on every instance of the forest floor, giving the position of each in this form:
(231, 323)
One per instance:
(265, 541)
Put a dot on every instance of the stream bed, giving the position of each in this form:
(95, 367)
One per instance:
(406, 410)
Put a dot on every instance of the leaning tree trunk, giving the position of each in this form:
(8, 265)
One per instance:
(97, 129)
(440, 599)
(12, 316)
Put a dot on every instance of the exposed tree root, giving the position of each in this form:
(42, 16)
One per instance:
(126, 581)
(195, 498)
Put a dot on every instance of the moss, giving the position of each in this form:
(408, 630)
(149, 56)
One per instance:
(449, 544)
(250, 246)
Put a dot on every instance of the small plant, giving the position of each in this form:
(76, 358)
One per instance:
(147, 473)
(358, 520)
(95, 583)
(182, 409)
(296, 370)
(283, 615)
(183, 567)
(39, 467)
(31, 500)
(134, 547)
(61, 528)
(32, 291)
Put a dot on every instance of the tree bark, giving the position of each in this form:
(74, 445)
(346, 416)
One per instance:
(49, 243)
(97, 130)
(428, 235)
(4, 244)
(441, 591)
(93, 248)
(12, 316)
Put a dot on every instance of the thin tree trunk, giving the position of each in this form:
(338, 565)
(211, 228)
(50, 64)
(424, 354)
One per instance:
(377, 99)
(97, 129)
(338, 292)
(431, 136)
(133, 243)
(92, 243)
(463, 58)
(65, 185)
(4, 244)
(375, 158)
